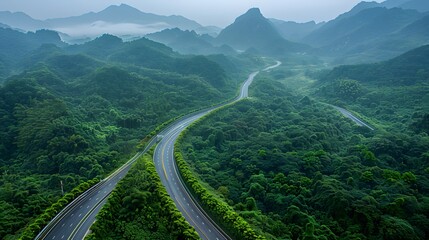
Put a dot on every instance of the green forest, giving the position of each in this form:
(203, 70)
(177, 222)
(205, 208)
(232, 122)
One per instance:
(140, 208)
(78, 112)
(295, 168)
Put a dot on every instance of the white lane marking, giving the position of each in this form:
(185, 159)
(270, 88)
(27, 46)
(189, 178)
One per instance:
(203, 223)
(62, 237)
(71, 225)
(198, 216)
(80, 206)
(98, 192)
(87, 207)
(90, 199)
(80, 214)
(72, 214)
(53, 237)
(210, 230)
(96, 199)
(63, 225)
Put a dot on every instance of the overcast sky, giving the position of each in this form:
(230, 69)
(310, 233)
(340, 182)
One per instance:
(206, 12)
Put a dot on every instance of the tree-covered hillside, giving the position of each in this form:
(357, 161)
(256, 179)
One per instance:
(77, 112)
(393, 92)
(296, 170)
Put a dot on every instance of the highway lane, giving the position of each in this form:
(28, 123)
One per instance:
(350, 115)
(170, 176)
(74, 221)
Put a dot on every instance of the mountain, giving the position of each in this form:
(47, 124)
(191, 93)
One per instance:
(295, 31)
(124, 14)
(253, 31)
(123, 20)
(367, 24)
(373, 34)
(418, 5)
(14, 44)
(21, 21)
(407, 69)
(188, 42)
(393, 3)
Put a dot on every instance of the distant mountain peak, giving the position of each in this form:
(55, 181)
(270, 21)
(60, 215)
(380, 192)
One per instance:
(255, 11)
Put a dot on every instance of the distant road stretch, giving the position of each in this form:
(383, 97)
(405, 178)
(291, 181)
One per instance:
(170, 176)
(352, 117)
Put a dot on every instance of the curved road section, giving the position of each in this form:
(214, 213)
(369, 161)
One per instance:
(74, 221)
(350, 115)
(170, 176)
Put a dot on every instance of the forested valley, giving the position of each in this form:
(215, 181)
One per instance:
(78, 112)
(295, 168)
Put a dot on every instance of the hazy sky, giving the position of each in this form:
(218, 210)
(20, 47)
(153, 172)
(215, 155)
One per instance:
(213, 12)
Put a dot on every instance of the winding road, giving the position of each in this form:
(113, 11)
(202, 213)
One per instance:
(74, 221)
(170, 176)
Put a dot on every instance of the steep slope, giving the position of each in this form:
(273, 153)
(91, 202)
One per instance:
(295, 31)
(253, 30)
(391, 92)
(14, 45)
(407, 69)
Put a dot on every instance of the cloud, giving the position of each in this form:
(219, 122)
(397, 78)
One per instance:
(121, 29)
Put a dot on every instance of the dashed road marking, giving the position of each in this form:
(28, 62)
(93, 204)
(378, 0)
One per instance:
(71, 225)
(53, 237)
(63, 225)
(80, 214)
(87, 207)
(62, 237)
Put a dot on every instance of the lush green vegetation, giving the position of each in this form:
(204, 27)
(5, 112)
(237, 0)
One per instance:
(78, 112)
(393, 93)
(41, 221)
(293, 168)
(140, 208)
(223, 214)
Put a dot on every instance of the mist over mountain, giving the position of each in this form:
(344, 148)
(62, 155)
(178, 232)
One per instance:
(122, 20)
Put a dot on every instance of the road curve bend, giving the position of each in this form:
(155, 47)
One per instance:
(74, 221)
(170, 176)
